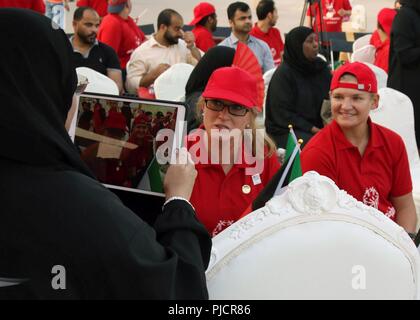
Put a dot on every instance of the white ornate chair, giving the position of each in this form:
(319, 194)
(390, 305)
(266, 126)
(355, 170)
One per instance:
(364, 54)
(381, 75)
(395, 111)
(314, 241)
(98, 83)
(361, 42)
(170, 85)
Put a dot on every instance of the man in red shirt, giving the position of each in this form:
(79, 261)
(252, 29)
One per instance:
(100, 6)
(205, 22)
(365, 159)
(333, 12)
(119, 31)
(264, 29)
(36, 5)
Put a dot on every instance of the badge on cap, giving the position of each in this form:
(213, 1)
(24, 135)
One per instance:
(360, 86)
(246, 189)
(256, 179)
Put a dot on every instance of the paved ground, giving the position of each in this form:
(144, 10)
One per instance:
(289, 11)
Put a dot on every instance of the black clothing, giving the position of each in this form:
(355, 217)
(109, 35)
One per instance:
(215, 58)
(296, 92)
(54, 213)
(100, 58)
(404, 57)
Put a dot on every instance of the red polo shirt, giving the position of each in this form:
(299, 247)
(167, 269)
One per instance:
(36, 5)
(273, 39)
(100, 6)
(381, 173)
(220, 199)
(203, 38)
(124, 36)
(331, 18)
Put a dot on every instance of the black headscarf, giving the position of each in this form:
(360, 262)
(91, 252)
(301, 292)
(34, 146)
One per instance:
(217, 57)
(293, 52)
(37, 82)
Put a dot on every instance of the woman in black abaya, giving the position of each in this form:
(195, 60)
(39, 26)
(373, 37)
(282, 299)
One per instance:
(54, 213)
(297, 89)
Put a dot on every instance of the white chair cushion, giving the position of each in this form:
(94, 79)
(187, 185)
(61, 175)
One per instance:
(381, 75)
(170, 85)
(98, 83)
(364, 54)
(314, 242)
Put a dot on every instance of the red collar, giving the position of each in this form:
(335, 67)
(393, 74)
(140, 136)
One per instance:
(375, 140)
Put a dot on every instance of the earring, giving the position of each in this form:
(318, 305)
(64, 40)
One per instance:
(248, 126)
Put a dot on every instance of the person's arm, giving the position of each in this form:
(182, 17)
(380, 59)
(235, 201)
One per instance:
(281, 104)
(268, 62)
(116, 75)
(189, 39)
(136, 69)
(405, 211)
(150, 77)
(404, 40)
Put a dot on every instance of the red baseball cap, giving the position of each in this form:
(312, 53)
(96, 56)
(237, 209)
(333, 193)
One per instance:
(202, 10)
(385, 18)
(366, 79)
(232, 84)
(116, 6)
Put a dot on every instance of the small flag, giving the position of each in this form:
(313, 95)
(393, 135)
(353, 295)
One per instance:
(290, 170)
(152, 179)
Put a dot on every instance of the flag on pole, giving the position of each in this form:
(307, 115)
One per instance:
(152, 179)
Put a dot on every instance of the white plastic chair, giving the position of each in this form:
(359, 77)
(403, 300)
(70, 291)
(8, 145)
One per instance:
(395, 111)
(170, 85)
(361, 42)
(98, 83)
(364, 54)
(381, 75)
(314, 242)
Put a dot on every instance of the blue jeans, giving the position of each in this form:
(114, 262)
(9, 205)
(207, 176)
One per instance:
(55, 11)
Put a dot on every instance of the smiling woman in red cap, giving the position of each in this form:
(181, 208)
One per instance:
(365, 159)
(204, 22)
(230, 175)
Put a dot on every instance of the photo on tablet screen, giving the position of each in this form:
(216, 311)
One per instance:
(117, 139)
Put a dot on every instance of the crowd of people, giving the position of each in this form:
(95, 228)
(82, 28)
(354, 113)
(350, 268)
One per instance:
(109, 251)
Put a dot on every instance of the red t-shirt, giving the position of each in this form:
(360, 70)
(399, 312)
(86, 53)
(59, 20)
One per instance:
(101, 6)
(330, 14)
(124, 36)
(220, 199)
(382, 51)
(381, 173)
(273, 39)
(36, 5)
(203, 38)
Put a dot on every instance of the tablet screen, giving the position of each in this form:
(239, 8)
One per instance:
(119, 138)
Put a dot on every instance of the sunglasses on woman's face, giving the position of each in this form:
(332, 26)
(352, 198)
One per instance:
(233, 109)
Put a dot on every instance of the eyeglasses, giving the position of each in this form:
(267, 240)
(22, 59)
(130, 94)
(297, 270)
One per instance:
(234, 109)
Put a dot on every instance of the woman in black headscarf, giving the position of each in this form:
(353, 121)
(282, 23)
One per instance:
(297, 89)
(215, 58)
(55, 217)
(404, 56)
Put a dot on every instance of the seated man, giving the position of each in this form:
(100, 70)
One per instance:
(88, 51)
(240, 20)
(365, 159)
(168, 46)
